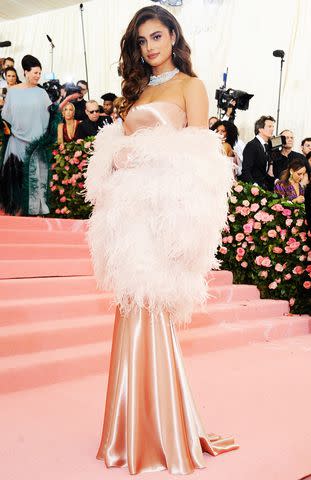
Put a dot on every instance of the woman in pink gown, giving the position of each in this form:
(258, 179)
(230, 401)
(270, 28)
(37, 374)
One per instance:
(159, 191)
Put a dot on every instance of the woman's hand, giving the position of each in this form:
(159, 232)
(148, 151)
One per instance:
(299, 199)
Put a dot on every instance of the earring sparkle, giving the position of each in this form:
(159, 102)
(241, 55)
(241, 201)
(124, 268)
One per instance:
(142, 60)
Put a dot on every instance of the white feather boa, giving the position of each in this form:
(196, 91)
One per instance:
(157, 220)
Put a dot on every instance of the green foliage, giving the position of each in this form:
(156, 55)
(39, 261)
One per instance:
(67, 179)
(266, 243)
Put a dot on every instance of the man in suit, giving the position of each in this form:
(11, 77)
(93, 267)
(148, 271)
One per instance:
(89, 127)
(257, 165)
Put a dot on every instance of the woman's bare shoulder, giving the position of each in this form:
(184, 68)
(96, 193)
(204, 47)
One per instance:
(18, 86)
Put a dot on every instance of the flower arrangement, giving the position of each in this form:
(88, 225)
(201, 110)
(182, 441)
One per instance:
(266, 243)
(67, 179)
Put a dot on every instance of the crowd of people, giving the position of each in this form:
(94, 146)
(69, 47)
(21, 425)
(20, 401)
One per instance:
(281, 169)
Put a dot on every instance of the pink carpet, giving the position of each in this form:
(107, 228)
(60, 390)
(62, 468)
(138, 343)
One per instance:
(247, 359)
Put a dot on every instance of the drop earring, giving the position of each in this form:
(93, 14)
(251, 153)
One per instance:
(142, 60)
(173, 53)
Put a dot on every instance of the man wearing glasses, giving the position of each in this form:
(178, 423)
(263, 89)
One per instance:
(90, 126)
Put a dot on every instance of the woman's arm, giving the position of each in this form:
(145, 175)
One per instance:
(196, 100)
(60, 137)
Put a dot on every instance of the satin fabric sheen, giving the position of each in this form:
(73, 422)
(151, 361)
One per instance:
(150, 421)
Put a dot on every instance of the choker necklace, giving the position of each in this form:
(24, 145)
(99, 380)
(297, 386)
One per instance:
(164, 77)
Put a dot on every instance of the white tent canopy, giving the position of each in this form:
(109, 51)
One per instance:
(12, 9)
(237, 34)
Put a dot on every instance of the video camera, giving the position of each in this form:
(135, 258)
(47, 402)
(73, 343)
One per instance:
(52, 87)
(232, 99)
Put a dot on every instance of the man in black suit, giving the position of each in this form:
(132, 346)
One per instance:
(89, 127)
(257, 165)
(281, 158)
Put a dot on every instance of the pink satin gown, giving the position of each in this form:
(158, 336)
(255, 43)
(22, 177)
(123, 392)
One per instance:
(151, 422)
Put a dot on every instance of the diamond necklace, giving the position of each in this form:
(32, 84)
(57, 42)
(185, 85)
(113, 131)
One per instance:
(164, 77)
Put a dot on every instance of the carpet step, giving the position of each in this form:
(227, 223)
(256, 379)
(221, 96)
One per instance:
(63, 286)
(48, 268)
(38, 223)
(42, 236)
(57, 308)
(43, 251)
(26, 371)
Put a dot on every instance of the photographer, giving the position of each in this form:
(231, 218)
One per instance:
(80, 103)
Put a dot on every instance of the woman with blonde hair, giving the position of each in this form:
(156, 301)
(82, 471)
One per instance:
(67, 131)
(160, 193)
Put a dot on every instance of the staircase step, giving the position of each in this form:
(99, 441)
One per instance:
(63, 286)
(38, 223)
(31, 310)
(48, 268)
(47, 367)
(20, 339)
(42, 236)
(42, 251)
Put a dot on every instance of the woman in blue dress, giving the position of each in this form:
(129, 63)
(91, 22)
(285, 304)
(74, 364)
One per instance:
(24, 172)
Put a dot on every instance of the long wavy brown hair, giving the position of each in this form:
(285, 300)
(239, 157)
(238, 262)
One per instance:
(295, 164)
(136, 74)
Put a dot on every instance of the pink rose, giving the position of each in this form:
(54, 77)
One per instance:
(308, 269)
(244, 264)
(61, 191)
(223, 250)
(263, 202)
(238, 258)
(303, 236)
(252, 247)
(231, 218)
(55, 152)
(240, 251)
(258, 260)
(266, 262)
(298, 270)
(299, 222)
(255, 207)
(263, 274)
(245, 203)
(79, 141)
(288, 276)
(53, 188)
(239, 237)
(277, 250)
(55, 177)
(272, 234)
(230, 239)
(244, 245)
(288, 222)
(57, 210)
(307, 285)
(278, 267)
(233, 199)
(63, 199)
(305, 248)
(225, 240)
(78, 153)
(80, 185)
(238, 188)
(292, 301)
(302, 258)
(286, 212)
(294, 230)
(255, 191)
(273, 285)
(277, 207)
(257, 226)
(66, 168)
(249, 239)
(87, 144)
(263, 238)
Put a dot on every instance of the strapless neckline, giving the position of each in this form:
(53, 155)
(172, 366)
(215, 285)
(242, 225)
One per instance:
(157, 102)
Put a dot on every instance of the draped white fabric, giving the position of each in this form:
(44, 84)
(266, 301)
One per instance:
(237, 34)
